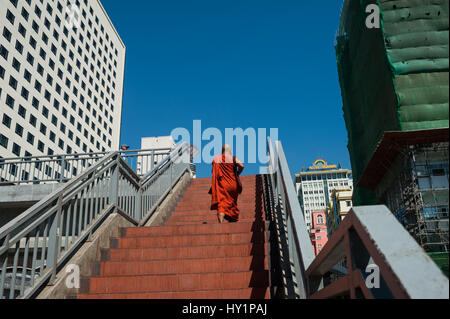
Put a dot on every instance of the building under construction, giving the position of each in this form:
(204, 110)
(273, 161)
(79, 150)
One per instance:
(414, 186)
(395, 90)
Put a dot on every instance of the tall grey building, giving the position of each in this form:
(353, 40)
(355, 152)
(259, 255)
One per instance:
(61, 78)
(315, 186)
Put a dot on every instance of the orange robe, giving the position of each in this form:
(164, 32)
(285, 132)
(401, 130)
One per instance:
(225, 186)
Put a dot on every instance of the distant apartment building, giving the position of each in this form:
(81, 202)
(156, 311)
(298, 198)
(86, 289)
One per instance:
(61, 79)
(318, 232)
(315, 185)
(159, 147)
(340, 205)
(154, 150)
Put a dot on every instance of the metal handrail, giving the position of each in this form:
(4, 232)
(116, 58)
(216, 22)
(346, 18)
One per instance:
(63, 167)
(174, 153)
(46, 235)
(295, 243)
(32, 211)
(123, 153)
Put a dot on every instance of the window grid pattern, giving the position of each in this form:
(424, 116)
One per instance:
(62, 87)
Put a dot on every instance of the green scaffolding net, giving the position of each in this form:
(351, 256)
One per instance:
(394, 78)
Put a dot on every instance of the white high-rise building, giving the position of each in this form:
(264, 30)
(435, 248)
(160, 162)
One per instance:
(316, 184)
(61, 78)
(161, 146)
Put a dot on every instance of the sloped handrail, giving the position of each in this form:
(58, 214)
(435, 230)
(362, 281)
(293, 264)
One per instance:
(294, 240)
(36, 244)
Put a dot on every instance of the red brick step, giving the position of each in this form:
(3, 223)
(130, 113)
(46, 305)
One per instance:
(200, 252)
(192, 256)
(201, 219)
(178, 282)
(191, 240)
(194, 229)
(183, 266)
(246, 293)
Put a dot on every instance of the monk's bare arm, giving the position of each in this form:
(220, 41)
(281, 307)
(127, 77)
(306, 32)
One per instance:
(240, 166)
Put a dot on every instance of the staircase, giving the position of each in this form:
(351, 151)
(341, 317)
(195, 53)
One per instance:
(192, 256)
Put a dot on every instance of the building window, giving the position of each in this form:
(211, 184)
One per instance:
(16, 149)
(43, 129)
(3, 52)
(30, 138)
(27, 76)
(30, 59)
(3, 141)
(7, 34)
(25, 176)
(9, 101)
(6, 121)
(22, 30)
(25, 93)
(319, 219)
(33, 120)
(10, 16)
(13, 169)
(25, 14)
(13, 82)
(19, 130)
(22, 111)
(41, 146)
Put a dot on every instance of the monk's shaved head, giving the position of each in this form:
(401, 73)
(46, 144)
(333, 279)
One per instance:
(226, 149)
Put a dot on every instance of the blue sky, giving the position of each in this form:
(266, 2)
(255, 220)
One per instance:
(238, 63)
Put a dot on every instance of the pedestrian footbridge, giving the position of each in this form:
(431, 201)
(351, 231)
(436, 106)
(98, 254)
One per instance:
(137, 224)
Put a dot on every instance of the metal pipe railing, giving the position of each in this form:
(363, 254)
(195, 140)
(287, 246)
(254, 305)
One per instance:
(64, 167)
(37, 243)
(294, 240)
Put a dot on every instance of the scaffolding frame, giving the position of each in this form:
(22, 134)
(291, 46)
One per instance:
(425, 220)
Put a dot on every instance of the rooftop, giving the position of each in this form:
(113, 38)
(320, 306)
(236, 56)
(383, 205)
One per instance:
(320, 167)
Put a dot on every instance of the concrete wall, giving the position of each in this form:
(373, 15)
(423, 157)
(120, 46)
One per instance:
(14, 200)
(86, 257)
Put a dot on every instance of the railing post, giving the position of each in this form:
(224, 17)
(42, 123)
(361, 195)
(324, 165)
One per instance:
(63, 168)
(53, 242)
(139, 213)
(114, 191)
(4, 249)
(152, 160)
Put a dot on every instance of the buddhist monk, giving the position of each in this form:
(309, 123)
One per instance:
(226, 185)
